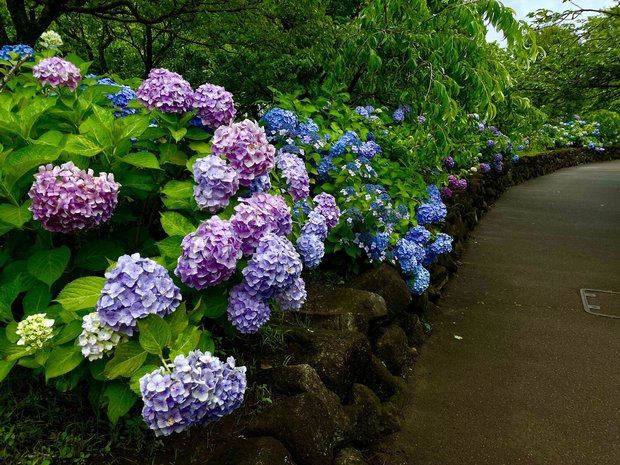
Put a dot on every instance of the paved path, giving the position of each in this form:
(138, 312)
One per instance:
(534, 379)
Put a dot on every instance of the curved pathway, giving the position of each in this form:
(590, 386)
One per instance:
(534, 380)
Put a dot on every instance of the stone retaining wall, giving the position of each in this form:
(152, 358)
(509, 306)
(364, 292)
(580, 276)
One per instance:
(342, 384)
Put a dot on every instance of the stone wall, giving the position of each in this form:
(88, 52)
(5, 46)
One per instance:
(342, 384)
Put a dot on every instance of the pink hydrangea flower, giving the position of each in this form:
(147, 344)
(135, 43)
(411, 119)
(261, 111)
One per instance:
(56, 72)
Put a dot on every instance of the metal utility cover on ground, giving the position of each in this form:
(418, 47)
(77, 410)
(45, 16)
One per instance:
(601, 303)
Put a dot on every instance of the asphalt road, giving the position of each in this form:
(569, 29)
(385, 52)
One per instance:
(534, 379)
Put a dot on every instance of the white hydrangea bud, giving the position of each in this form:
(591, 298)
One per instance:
(98, 339)
(35, 331)
(473, 169)
(51, 40)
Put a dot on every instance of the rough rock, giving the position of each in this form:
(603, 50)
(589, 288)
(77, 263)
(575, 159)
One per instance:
(370, 418)
(381, 381)
(414, 329)
(389, 284)
(392, 348)
(350, 456)
(251, 451)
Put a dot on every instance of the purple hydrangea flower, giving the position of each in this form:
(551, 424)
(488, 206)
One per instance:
(56, 72)
(312, 250)
(199, 388)
(446, 192)
(399, 114)
(448, 162)
(453, 182)
(246, 147)
(315, 225)
(215, 105)
(498, 158)
(293, 297)
(209, 255)
(421, 119)
(484, 167)
(462, 184)
(325, 204)
(273, 267)
(498, 167)
(294, 171)
(420, 282)
(419, 235)
(166, 91)
(217, 183)
(247, 311)
(490, 143)
(67, 199)
(367, 150)
(135, 288)
(280, 121)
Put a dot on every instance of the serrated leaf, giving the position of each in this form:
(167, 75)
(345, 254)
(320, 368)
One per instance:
(26, 158)
(170, 246)
(120, 400)
(142, 160)
(94, 255)
(178, 189)
(37, 299)
(134, 125)
(154, 334)
(185, 342)
(175, 224)
(206, 343)
(81, 293)
(49, 265)
(134, 382)
(69, 332)
(62, 360)
(14, 215)
(82, 146)
(128, 357)
(177, 320)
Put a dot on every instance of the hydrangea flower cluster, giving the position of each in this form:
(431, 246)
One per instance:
(245, 145)
(209, 254)
(198, 389)
(34, 331)
(97, 339)
(247, 311)
(294, 171)
(442, 244)
(375, 245)
(420, 282)
(135, 288)
(56, 72)
(312, 249)
(67, 199)
(274, 266)
(399, 114)
(258, 215)
(434, 211)
(121, 98)
(280, 122)
(484, 167)
(293, 297)
(418, 235)
(19, 49)
(407, 253)
(216, 183)
(260, 184)
(51, 40)
(215, 105)
(165, 91)
(515, 159)
(325, 204)
(449, 163)
(366, 112)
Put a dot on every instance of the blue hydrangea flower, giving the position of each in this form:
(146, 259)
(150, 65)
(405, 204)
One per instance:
(260, 184)
(420, 282)
(278, 121)
(316, 225)
(367, 150)
(434, 195)
(308, 132)
(134, 289)
(340, 146)
(419, 235)
(312, 250)
(515, 159)
(490, 143)
(405, 254)
(366, 112)
(442, 244)
(431, 213)
(247, 311)
(325, 166)
(399, 114)
(20, 49)
(498, 158)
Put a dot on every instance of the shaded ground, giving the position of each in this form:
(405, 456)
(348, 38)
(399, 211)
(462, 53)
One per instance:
(534, 379)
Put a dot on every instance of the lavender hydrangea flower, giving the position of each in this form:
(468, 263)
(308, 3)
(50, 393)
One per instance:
(490, 143)
(273, 267)
(484, 167)
(462, 184)
(448, 162)
(247, 311)
(293, 297)
(209, 254)
(217, 183)
(67, 199)
(498, 167)
(312, 250)
(97, 339)
(315, 225)
(56, 72)
(446, 192)
(215, 105)
(20, 49)
(325, 204)
(366, 112)
(399, 114)
(308, 131)
(294, 171)
(279, 121)
(420, 282)
(419, 235)
(246, 147)
(135, 288)
(498, 158)
(165, 91)
(421, 119)
(258, 215)
(453, 182)
(199, 388)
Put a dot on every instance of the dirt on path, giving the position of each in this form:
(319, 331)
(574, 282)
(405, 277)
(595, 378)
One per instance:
(516, 371)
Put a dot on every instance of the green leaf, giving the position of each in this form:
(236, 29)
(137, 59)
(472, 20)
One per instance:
(216, 303)
(69, 332)
(8, 294)
(82, 145)
(120, 400)
(154, 334)
(170, 247)
(14, 215)
(49, 265)
(37, 299)
(62, 360)
(178, 134)
(177, 190)
(134, 382)
(138, 181)
(81, 293)
(206, 343)
(24, 159)
(178, 320)
(142, 160)
(5, 368)
(185, 342)
(175, 224)
(200, 147)
(128, 357)
(134, 125)
(94, 255)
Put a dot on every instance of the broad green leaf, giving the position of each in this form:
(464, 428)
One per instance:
(216, 303)
(175, 224)
(178, 134)
(5, 368)
(120, 400)
(37, 299)
(138, 181)
(24, 159)
(178, 189)
(69, 332)
(128, 357)
(170, 247)
(178, 320)
(94, 255)
(14, 215)
(142, 160)
(134, 383)
(185, 342)
(200, 147)
(62, 360)
(134, 125)
(49, 265)
(82, 145)
(81, 293)
(206, 343)
(154, 334)
(8, 294)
